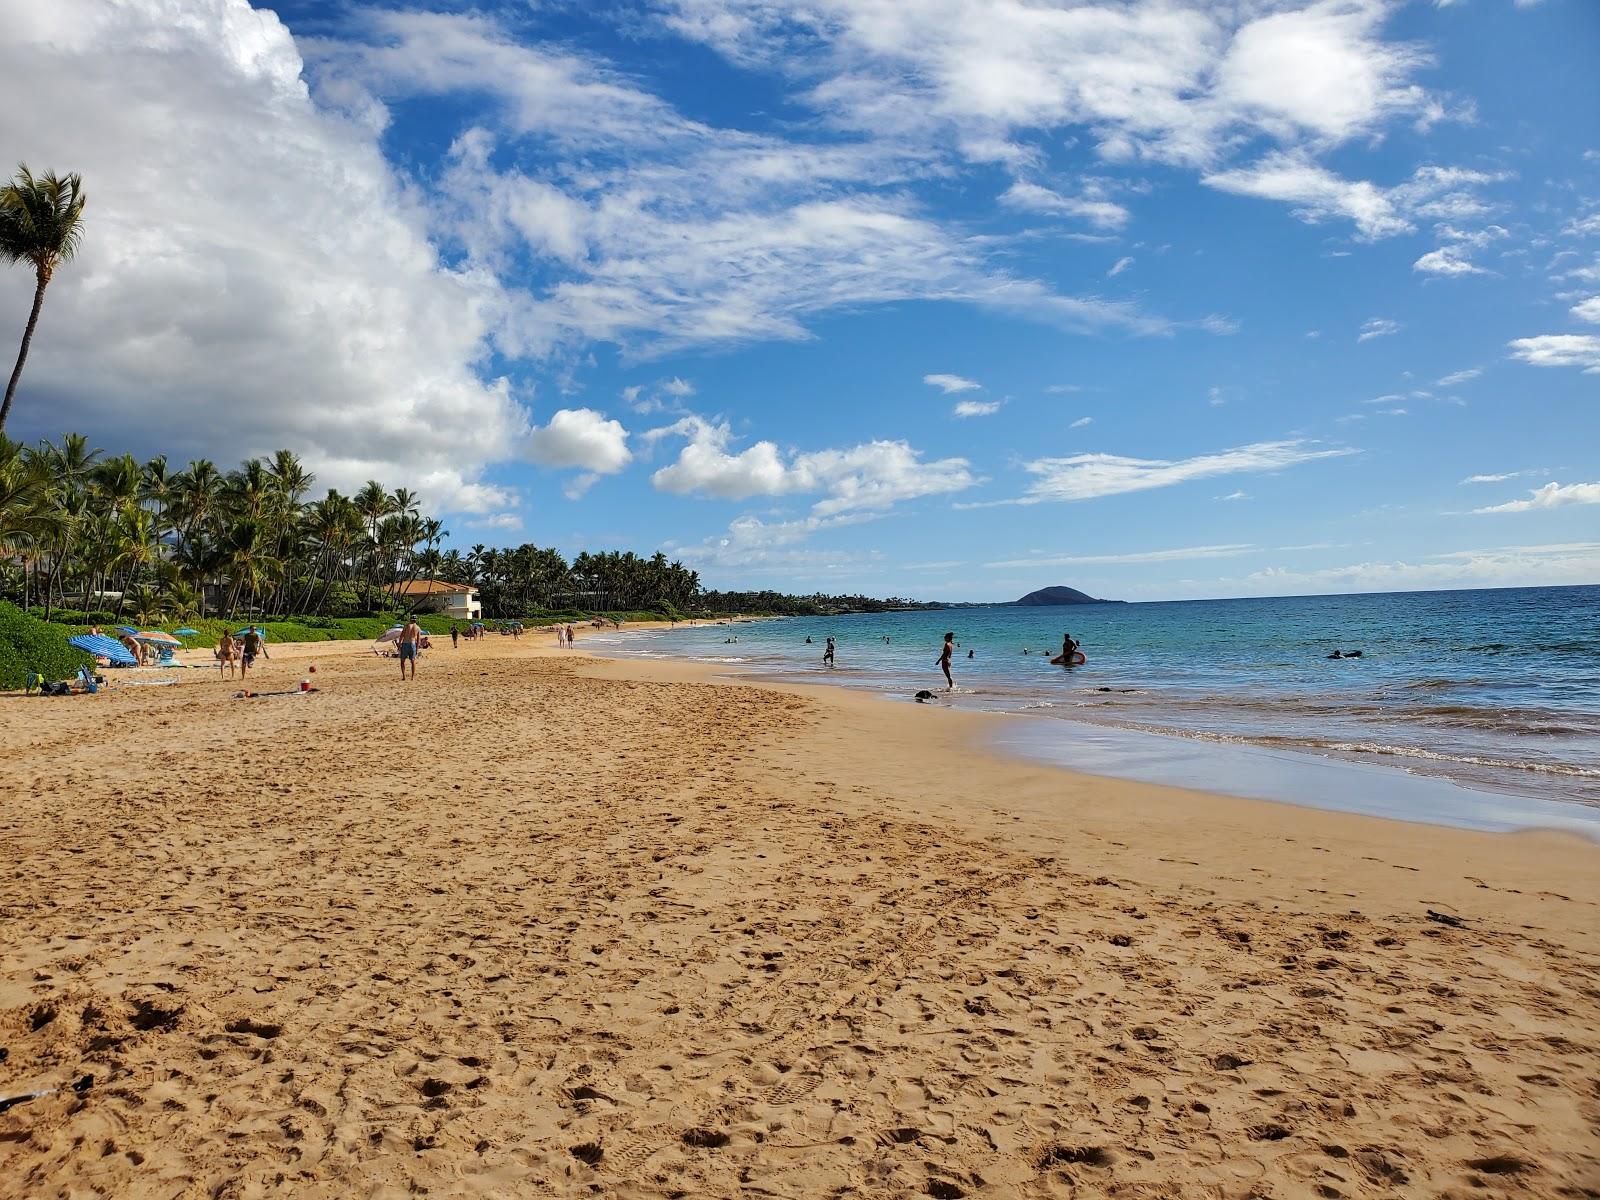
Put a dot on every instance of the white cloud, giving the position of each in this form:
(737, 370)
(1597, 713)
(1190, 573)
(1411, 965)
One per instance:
(1235, 496)
(252, 274)
(873, 475)
(976, 408)
(951, 383)
(1062, 389)
(756, 547)
(506, 522)
(1588, 310)
(1501, 477)
(581, 437)
(1081, 422)
(1101, 213)
(1182, 554)
(678, 388)
(1579, 350)
(1174, 82)
(1378, 327)
(1456, 378)
(1447, 260)
(1121, 265)
(654, 232)
(1317, 194)
(1508, 566)
(1551, 495)
(1091, 476)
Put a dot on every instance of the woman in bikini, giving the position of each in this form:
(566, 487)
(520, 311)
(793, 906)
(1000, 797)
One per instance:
(944, 660)
(225, 654)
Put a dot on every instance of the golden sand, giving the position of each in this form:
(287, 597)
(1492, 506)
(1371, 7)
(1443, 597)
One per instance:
(537, 924)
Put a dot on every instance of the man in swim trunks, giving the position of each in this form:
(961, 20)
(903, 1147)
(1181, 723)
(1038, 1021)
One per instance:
(1069, 648)
(254, 644)
(410, 636)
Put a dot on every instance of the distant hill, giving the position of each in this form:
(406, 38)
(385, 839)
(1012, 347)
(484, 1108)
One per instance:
(1061, 595)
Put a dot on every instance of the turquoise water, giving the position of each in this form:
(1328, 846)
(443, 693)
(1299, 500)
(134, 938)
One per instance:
(1496, 689)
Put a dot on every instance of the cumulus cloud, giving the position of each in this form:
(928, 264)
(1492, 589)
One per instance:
(1579, 350)
(1378, 327)
(1171, 81)
(872, 476)
(951, 383)
(1588, 310)
(1447, 260)
(976, 408)
(581, 437)
(1551, 495)
(1091, 476)
(252, 274)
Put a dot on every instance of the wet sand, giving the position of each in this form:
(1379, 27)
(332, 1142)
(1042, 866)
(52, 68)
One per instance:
(538, 924)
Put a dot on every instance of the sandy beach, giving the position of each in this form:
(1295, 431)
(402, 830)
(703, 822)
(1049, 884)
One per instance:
(543, 924)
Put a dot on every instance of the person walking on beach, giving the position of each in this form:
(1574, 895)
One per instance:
(827, 654)
(410, 636)
(225, 654)
(570, 636)
(254, 644)
(455, 636)
(944, 661)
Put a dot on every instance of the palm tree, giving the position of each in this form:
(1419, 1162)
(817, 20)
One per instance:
(41, 223)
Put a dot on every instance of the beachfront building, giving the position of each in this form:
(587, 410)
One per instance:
(458, 600)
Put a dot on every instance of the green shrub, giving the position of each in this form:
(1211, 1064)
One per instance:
(28, 644)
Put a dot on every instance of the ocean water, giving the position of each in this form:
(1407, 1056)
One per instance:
(1495, 689)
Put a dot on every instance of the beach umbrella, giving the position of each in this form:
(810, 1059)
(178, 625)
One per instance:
(260, 629)
(187, 632)
(391, 635)
(158, 638)
(102, 646)
(127, 629)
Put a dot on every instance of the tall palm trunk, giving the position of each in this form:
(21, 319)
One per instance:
(27, 337)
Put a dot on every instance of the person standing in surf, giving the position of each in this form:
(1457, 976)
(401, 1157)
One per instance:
(827, 654)
(1069, 649)
(944, 661)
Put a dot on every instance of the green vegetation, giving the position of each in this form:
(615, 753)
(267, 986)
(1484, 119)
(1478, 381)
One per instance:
(87, 539)
(28, 644)
(41, 222)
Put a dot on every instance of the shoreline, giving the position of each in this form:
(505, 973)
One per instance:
(1175, 759)
(545, 922)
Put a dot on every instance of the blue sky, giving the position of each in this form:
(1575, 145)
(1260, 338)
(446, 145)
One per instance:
(949, 298)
